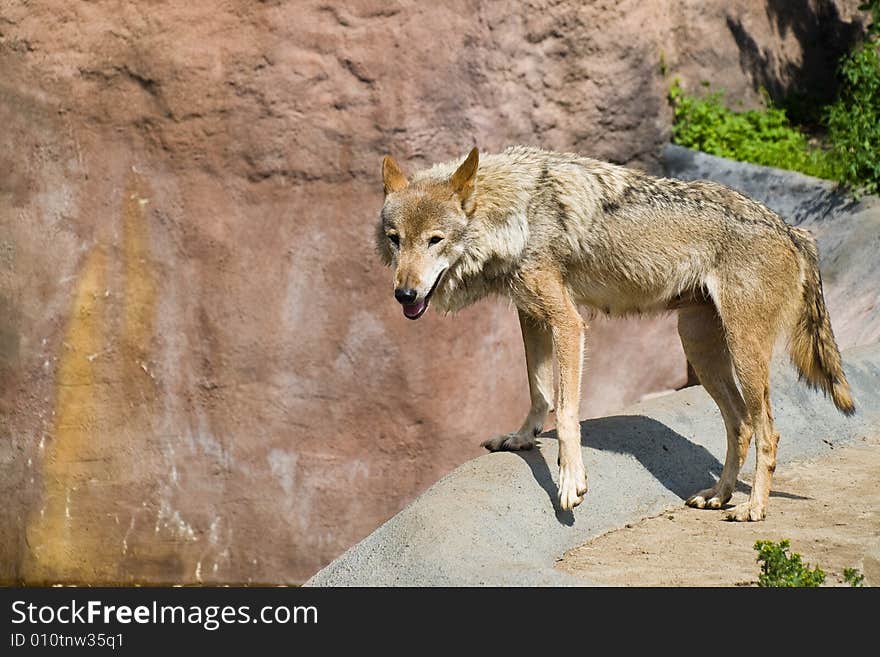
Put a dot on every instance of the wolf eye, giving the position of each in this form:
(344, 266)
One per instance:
(435, 240)
(395, 239)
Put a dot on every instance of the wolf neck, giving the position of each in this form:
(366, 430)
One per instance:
(499, 224)
(497, 232)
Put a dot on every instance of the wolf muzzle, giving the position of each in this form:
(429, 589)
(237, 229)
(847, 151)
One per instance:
(413, 307)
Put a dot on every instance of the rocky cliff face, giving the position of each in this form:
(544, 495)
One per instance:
(204, 374)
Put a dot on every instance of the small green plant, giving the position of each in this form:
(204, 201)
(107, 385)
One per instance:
(854, 118)
(779, 568)
(760, 136)
(853, 577)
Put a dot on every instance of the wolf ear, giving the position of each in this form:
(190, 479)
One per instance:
(392, 177)
(462, 181)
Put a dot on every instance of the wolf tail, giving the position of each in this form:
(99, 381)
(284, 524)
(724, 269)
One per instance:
(813, 348)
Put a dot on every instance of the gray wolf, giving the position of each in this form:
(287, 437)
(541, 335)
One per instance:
(554, 231)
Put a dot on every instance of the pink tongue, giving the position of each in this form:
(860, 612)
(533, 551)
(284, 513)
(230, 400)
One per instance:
(413, 309)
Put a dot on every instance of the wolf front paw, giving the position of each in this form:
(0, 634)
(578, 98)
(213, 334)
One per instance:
(509, 442)
(747, 512)
(710, 498)
(572, 486)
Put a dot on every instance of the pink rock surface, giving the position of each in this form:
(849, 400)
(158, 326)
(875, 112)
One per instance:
(205, 377)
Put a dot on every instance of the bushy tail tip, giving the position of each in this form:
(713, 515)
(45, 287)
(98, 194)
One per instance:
(813, 348)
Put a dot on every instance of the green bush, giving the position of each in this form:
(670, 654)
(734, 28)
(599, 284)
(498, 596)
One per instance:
(781, 569)
(767, 136)
(759, 136)
(853, 577)
(854, 119)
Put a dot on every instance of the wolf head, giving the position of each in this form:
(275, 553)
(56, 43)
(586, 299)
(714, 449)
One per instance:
(421, 229)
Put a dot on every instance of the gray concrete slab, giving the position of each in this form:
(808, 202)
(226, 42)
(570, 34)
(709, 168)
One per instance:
(492, 521)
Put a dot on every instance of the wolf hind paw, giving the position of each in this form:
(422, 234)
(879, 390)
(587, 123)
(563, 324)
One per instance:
(711, 498)
(747, 512)
(509, 442)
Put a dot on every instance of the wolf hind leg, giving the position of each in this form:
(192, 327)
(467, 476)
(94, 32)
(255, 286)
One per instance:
(753, 371)
(751, 326)
(705, 346)
(538, 341)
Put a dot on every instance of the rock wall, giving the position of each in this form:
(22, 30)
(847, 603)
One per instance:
(204, 375)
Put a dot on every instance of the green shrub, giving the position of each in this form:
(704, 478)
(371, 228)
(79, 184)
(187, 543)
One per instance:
(854, 119)
(759, 136)
(767, 136)
(853, 577)
(781, 569)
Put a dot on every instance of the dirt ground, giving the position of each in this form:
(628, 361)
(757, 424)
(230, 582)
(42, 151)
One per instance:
(827, 508)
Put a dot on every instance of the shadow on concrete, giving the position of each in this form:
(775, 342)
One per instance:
(683, 467)
(824, 206)
(535, 460)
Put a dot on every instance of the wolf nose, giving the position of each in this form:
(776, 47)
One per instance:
(405, 296)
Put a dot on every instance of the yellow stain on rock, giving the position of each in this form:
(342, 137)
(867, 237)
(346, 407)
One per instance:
(140, 287)
(51, 535)
(104, 390)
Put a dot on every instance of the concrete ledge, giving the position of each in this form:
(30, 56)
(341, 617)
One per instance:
(492, 521)
(793, 195)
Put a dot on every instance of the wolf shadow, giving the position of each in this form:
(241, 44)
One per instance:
(681, 466)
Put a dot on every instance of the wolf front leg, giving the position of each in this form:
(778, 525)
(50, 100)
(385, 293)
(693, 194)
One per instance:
(568, 341)
(542, 295)
(538, 342)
